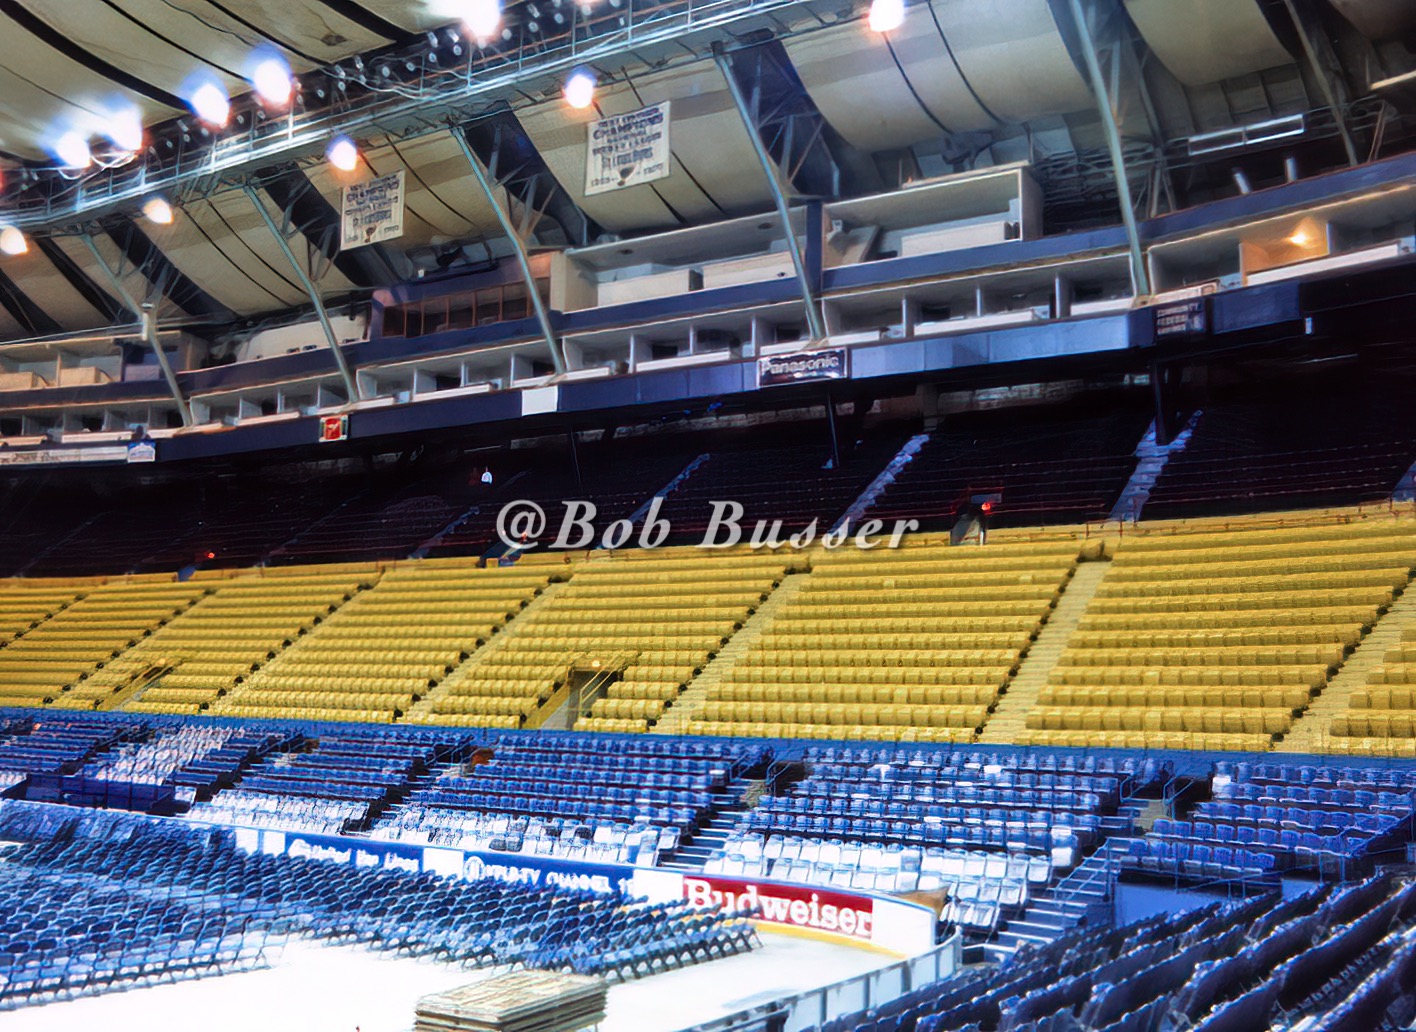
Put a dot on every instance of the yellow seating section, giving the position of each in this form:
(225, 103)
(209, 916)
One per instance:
(230, 634)
(657, 617)
(1218, 639)
(389, 645)
(37, 667)
(908, 644)
(1200, 636)
(24, 604)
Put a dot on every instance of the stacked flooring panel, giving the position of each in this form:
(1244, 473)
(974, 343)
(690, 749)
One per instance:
(522, 1001)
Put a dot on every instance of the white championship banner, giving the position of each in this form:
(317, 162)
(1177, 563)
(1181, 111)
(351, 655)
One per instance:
(627, 150)
(372, 212)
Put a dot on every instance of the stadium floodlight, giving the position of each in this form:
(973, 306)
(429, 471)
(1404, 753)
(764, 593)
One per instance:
(125, 129)
(73, 150)
(887, 15)
(580, 89)
(13, 242)
(158, 211)
(343, 153)
(270, 75)
(210, 103)
(481, 18)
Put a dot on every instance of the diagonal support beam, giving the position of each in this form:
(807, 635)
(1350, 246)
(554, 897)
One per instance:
(351, 385)
(815, 323)
(148, 315)
(517, 245)
(1325, 83)
(1140, 278)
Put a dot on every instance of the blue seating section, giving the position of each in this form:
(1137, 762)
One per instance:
(38, 751)
(268, 897)
(1263, 818)
(220, 767)
(1018, 802)
(333, 784)
(59, 938)
(1345, 957)
(593, 781)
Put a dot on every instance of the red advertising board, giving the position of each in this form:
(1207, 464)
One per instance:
(797, 906)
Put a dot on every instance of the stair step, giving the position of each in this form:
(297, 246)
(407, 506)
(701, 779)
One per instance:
(1035, 930)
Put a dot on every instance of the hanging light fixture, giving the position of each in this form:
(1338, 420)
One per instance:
(13, 242)
(158, 211)
(579, 89)
(73, 151)
(887, 15)
(343, 153)
(210, 103)
(271, 77)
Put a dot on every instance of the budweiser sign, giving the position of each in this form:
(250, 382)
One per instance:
(797, 906)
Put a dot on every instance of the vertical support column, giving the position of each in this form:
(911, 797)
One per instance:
(518, 246)
(1140, 278)
(815, 324)
(148, 317)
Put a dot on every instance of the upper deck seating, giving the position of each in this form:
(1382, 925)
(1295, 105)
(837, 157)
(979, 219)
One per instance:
(1208, 638)
(389, 645)
(911, 643)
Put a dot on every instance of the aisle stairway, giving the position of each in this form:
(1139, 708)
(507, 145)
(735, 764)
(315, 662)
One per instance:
(1010, 716)
(1313, 732)
(393, 643)
(911, 643)
(1374, 711)
(1083, 897)
(689, 705)
(1216, 635)
(426, 711)
(250, 619)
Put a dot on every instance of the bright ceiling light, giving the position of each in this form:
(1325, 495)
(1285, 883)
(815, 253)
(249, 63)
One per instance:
(13, 242)
(887, 15)
(125, 129)
(343, 153)
(580, 90)
(210, 103)
(482, 18)
(73, 150)
(271, 78)
(158, 210)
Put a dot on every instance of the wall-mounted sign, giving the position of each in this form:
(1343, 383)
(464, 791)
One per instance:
(803, 367)
(142, 451)
(627, 150)
(334, 428)
(372, 212)
(1188, 318)
(59, 456)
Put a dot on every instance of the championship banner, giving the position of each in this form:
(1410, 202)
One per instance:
(372, 212)
(627, 150)
(802, 367)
